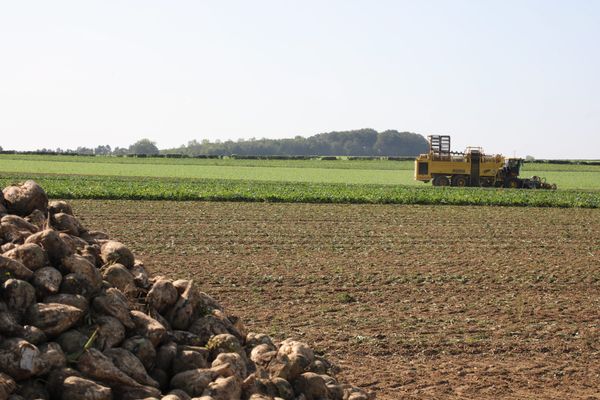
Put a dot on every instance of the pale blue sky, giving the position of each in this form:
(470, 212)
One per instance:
(518, 77)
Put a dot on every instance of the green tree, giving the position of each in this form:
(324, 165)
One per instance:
(394, 143)
(119, 151)
(102, 150)
(84, 150)
(143, 146)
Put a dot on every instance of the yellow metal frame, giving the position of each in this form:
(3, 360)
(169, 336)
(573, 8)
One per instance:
(450, 165)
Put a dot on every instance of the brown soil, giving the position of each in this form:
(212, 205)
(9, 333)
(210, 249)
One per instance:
(412, 302)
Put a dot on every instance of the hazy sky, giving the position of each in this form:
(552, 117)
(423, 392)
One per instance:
(518, 77)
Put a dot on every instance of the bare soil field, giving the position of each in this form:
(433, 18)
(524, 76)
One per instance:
(412, 302)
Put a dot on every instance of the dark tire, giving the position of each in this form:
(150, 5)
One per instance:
(486, 182)
(441, 181)
(512, 183)
(460, 181)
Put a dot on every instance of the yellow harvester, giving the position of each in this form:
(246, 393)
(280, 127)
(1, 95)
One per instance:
(472, 168)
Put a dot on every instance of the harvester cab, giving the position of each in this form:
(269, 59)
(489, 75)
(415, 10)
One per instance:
(512, 166)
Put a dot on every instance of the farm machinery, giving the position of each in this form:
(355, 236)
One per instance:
(471, 168)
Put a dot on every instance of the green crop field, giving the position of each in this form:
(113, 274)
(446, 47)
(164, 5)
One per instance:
(339, 181)
(252, 170)
(381, 172)
(113, 187)
(342, 163)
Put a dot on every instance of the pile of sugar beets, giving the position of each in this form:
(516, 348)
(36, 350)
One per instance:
(81, 319)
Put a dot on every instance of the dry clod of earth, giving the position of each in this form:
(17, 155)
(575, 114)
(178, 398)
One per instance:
(80, 318)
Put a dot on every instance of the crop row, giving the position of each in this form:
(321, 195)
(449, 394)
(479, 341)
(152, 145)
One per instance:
(104, 187)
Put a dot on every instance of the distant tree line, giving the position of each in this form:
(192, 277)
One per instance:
(362, 142)
(143, 146)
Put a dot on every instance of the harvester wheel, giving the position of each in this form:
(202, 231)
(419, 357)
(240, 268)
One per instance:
(512, 183)
(441, 180)
(460, 180)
